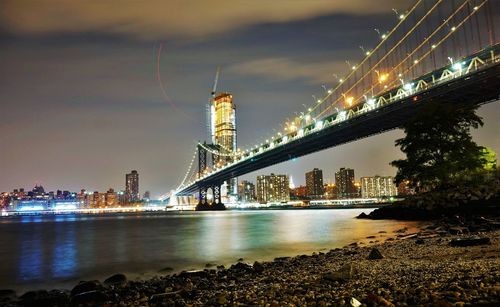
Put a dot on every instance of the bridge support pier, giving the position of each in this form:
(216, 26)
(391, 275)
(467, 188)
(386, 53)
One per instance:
(216, 204)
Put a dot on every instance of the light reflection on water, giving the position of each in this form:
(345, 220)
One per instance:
(57, 251)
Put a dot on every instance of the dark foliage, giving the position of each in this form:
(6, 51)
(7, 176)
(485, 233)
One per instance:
(438, 145)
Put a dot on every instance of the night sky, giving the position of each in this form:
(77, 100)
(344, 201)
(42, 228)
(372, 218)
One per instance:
(81, 104)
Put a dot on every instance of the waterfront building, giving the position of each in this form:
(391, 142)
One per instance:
(344, 180)
(111, 199)
(146, 196)
(314, 184)
(273, 188)
(404, 188)
(330, 191)
(378, 186)
(132, 186)
(223, 123)
(246, 191)
(299, 192)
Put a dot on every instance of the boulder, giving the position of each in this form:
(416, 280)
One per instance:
(241, 267)
(375, 254)
(258, 267)
(363, 216)
(116, 280)
(86, 286)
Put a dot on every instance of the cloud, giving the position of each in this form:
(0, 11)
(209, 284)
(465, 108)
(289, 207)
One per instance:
(159, 19)
(285, 69)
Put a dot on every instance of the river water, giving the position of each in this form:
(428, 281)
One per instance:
(44, 252)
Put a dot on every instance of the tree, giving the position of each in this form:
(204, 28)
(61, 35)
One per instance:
(489, 158)
(438, 145)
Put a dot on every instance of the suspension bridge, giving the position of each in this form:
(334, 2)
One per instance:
(444, 51)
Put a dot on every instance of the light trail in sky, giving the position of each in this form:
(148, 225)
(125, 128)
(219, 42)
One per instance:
(162, 87)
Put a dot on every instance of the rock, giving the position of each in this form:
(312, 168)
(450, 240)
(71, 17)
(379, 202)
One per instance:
(345, 273)
(457, 230)
(241, 267)
(7, 295)
(470, 241)
(258, 267)
(91, 297)
(222, 299)
(371, 237)
(354, 302)
(375, 254)
(240, 259)
(221, 267)
(116, 280)
(363, 216)
(209, 265)
(377, 300)
(281, 259)
(86, 286)
(419, 241)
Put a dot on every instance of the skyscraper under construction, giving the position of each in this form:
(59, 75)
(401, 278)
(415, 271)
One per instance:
(222, 129)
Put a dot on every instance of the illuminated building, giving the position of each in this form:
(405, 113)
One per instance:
(299, 192)
(223, 123)
(246, 191)
(330, 191)
(314, 183)
(273, 188)
(378, 187)
(132, 186)
(404, 188)
(344, 180)
(111, 198)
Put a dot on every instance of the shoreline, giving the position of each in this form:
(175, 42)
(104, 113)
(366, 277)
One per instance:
(162, 212)
(419, 267)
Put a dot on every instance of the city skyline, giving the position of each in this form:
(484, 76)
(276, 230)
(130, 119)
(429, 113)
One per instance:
(106, 100)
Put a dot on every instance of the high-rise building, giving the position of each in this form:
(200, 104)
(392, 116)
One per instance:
(246, 191)
(314, 183)
(224, 126)
(378, 187)
(344, 180)
(132, 186)
(111, 198)
(273, 188)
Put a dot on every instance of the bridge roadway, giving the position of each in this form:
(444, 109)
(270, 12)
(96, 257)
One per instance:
(478, 87)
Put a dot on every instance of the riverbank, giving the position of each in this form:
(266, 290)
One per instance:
(422, 267)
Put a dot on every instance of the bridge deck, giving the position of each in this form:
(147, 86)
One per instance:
(479, 87)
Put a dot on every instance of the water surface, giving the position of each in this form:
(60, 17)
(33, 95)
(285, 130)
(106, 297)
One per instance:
(58, 251)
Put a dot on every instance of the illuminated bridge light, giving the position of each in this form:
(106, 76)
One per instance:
(457, 66)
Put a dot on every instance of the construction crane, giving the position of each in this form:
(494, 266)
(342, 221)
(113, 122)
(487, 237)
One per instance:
(211, 109)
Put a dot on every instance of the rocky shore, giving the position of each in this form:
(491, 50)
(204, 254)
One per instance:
(453, 262)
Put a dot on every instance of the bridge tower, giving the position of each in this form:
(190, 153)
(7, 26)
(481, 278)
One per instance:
(205, 204)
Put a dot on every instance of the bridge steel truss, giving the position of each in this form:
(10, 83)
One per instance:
(204, 165)
(476, 82)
